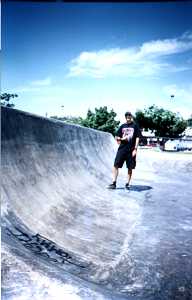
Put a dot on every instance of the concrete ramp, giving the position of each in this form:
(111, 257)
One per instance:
(64, 232)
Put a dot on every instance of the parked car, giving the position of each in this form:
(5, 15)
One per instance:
(178, 145)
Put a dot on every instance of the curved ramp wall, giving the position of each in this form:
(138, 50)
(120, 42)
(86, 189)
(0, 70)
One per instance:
(54, 178)
(49, 173)
(57, 212)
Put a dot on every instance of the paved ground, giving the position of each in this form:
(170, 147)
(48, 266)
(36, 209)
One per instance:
(65, 236)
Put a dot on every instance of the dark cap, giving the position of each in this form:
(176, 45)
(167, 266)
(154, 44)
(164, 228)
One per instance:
(128, 113)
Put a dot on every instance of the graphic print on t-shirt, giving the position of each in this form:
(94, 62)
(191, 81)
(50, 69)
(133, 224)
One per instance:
(128, 133)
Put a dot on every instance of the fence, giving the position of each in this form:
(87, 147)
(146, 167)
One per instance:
(167, 143)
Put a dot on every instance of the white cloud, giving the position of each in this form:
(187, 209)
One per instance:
(182, 100)
(43, 82)
(167, 47)
(34, 86)
(26, 89)
(146, 60)
(184, 93)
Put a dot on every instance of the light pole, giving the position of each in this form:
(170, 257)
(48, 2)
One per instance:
(62, 107)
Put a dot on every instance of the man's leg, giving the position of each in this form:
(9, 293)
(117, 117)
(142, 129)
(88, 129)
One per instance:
(127, 186)
(118, 163)
(131, 163)
(129, 175)
(115, 174)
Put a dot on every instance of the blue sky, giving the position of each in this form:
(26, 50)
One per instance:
(66, 58)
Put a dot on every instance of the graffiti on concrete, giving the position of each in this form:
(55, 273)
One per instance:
(43, 247)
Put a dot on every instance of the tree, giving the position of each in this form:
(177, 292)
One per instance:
(102, 120)
(5, 98)
(189, 121)
(162, 122)
(69, 119)
(142, 120)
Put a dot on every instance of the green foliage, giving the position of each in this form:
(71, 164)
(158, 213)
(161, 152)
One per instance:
(5, 98)
(189, 122)
(142, 120)
(162, 122)
(69, 119)
(102, 120)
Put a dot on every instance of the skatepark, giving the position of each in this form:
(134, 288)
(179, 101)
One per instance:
(66, 236)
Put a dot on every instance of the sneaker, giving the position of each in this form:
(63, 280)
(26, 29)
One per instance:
(127, 186)
(112, 186)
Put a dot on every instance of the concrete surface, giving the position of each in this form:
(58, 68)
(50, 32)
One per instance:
(65, 236)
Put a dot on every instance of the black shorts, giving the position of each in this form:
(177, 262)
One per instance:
(123, 156)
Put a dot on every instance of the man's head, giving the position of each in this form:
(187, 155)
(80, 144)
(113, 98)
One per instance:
(128, 117)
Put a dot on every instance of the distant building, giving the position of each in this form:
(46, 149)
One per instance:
(182, 144)
(187, 134)
(148, 133)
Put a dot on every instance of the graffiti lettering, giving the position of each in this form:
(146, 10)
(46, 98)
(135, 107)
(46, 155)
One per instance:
(44, 247)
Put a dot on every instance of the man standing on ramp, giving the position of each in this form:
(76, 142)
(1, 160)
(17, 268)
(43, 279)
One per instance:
(127, 136)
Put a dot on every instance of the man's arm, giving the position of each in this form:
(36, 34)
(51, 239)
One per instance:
(136, 143)
(134, 152)
(118, 135)
(118, 139)
(138, 135)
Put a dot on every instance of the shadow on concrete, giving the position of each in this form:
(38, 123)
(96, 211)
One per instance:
(136, 188)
